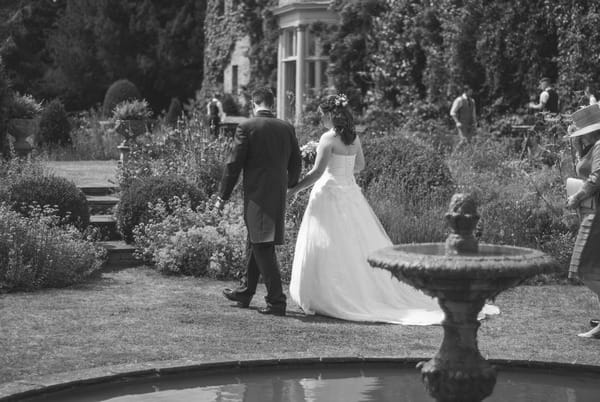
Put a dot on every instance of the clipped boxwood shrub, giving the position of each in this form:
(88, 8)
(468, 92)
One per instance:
(403, 162)
(54, 124)
(120, 91)
(133, 205)
(54, 191)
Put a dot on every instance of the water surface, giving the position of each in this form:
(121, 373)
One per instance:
(372, 383)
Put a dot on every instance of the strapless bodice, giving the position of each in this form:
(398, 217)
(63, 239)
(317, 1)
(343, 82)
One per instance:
(341, 166)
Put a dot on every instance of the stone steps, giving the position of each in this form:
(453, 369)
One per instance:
(101, 202)
(107, 225)
(98, 189)
(120, 255)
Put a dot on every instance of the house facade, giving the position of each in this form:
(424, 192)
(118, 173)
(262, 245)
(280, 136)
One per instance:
(301, 62)
(237, 73)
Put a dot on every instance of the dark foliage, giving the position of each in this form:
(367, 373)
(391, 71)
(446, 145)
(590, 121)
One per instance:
(174, 113)
(52, 191)
(75, 48)
(405, 163)
(230, 106)
(5, 96)
(133, 205)
(25, 51)
(54, 124)
(348, 46)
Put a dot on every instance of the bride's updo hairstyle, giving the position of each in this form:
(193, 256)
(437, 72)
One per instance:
(341, 118)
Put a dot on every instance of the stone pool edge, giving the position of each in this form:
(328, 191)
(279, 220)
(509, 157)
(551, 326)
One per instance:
(14, 391)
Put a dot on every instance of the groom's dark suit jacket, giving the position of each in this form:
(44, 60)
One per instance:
(266, 149)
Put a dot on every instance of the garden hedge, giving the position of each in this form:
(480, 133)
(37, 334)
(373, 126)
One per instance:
(54, 191)
(133, 205)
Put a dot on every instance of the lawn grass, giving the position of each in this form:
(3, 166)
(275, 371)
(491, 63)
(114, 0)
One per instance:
(86, 173)
(137, 315)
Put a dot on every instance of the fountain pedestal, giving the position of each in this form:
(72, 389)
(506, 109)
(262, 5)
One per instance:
(462, 275)
(458, 372)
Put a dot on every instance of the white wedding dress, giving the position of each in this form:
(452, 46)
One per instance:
(330, 272)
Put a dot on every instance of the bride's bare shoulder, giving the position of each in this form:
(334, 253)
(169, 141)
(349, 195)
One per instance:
(327, 136)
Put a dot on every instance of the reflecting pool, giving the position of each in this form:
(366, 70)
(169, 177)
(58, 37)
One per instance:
(348, 383)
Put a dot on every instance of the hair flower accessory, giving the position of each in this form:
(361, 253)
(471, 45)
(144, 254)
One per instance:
(340, 100)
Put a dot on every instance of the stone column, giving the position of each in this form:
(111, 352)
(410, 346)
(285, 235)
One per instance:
(280, 77)
(300, 61)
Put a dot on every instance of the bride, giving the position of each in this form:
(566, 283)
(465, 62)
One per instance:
(330, 272)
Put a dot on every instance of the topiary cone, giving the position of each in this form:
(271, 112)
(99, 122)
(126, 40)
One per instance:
(120, 91)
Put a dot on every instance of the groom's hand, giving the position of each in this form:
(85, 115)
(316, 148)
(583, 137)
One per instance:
(219, 204)
(291, 195)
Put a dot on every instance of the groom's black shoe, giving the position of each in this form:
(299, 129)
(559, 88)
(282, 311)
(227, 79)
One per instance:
(594, 322)
(242, 301)
(280, 311)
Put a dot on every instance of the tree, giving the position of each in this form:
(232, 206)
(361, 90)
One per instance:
(159, 47)
(24, 52)
(349, 46)
(578, 55)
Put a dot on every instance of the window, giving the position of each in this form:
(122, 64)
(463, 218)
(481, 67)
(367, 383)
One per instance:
(289, 90)
(311, 74)
(289, 43)
(311, 45)
(316, 64)
(234, 80)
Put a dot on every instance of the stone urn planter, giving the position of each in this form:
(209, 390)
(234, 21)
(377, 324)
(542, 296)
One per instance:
(21, 129)
(131, 129)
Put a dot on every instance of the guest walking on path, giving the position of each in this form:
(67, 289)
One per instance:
(585, 261)
(464, 115)
(548, 101)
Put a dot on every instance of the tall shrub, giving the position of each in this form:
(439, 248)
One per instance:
(54, 124)
(120, 91)
(407, 164)
(174, 112)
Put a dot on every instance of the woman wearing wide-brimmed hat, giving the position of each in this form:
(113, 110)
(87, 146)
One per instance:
(585, 261)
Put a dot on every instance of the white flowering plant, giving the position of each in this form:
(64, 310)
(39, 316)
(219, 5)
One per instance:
(198, 242)
(37, 251)
(308, 152)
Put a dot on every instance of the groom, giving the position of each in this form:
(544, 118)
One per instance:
(266, 149)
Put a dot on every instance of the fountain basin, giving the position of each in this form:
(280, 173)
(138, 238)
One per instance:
(466, 276)
(316, 380)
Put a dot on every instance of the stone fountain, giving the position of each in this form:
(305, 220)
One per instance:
(462, 275)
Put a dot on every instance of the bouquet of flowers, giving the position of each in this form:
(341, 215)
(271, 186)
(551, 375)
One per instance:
(309, 153)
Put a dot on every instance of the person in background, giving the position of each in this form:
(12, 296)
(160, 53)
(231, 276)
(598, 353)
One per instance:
(215, 114)
(585, 260)
(548, 101)
(464, 115)
(591, 93)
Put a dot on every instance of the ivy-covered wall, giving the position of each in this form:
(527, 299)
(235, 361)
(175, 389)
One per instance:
(222, 28)
(230, 20)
